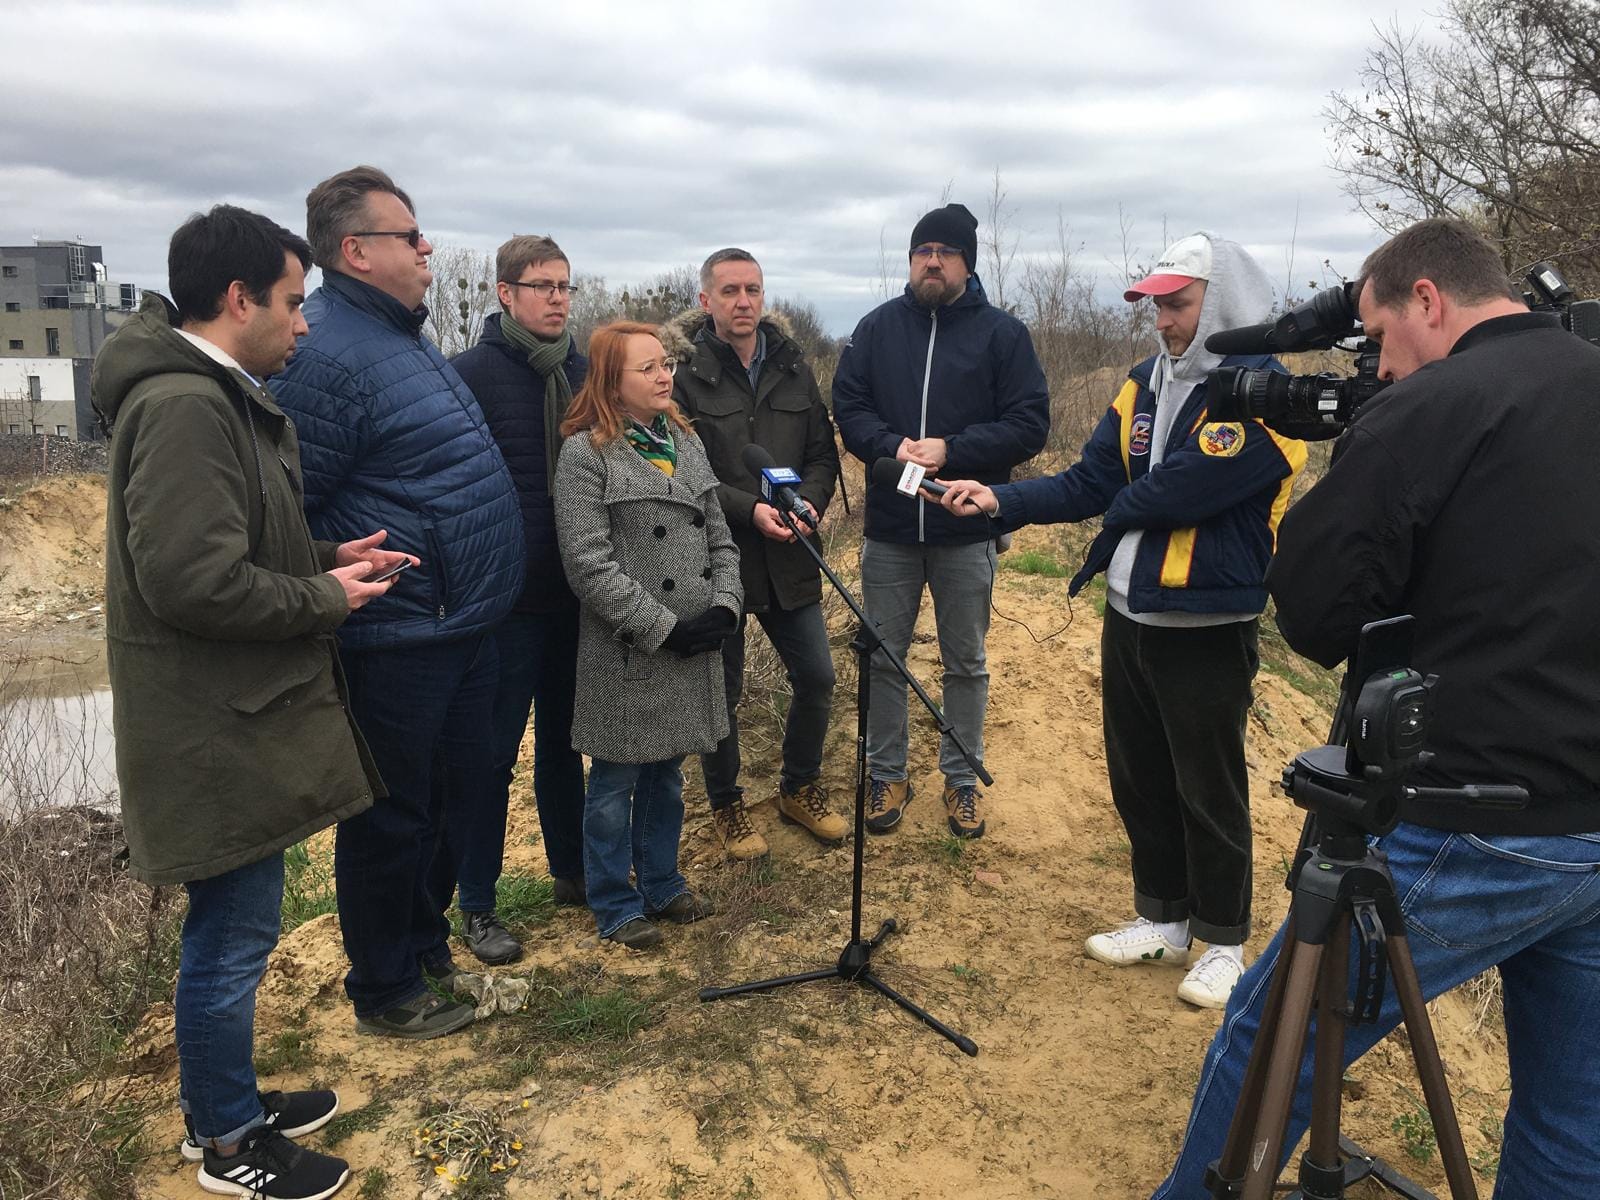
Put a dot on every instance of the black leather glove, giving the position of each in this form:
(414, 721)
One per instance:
(702, 633)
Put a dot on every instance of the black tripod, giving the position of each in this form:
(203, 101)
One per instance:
(855, 961)
(1339, 882)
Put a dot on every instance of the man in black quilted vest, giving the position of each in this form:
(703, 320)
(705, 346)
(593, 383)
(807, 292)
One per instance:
(524, 371)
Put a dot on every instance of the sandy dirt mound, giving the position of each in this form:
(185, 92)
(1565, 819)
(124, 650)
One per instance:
(52, 550)
(621, 1084)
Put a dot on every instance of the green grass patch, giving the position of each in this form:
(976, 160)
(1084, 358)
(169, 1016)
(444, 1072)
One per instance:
(1034, 562)
(308, 889)
(1309, 678)
(358, 1120)
(523, 899)
(374, 1184)
(286, 1050)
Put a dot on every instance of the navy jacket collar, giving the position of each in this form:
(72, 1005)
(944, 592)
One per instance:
(376, 303)
(973, 297)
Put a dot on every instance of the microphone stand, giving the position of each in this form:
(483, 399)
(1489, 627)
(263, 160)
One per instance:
(855, 961)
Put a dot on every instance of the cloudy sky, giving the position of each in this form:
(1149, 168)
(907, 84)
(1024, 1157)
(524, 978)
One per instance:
(644, 135)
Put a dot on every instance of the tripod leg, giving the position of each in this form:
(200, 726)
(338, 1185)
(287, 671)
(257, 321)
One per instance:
(1321, 1172)
(1283, 1072)
(1430, 1069)
(1231, 1166)
(963, 1043)
(766, 985)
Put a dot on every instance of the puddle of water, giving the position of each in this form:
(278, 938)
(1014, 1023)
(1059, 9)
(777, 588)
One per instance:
(55, 722)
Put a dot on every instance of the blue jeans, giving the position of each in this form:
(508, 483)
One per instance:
(632, 817)
(231, 927)
(800, 636)
(1530, 905)
(425, 712)
(538, 670)
(961, 581)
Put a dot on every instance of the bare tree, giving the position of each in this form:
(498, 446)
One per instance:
(998, 242)
(1498, 124)
(461, 295)
(663, 297)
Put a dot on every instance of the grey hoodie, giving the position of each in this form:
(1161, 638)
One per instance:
(1237, 294)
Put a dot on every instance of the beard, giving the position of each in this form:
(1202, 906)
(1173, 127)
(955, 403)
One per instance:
(931, 293)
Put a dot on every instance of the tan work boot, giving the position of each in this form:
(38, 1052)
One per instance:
(807, 807)
(962, 811)
(886, 803)
(740, 840)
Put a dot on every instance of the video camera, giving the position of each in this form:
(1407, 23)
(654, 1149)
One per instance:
(1317, 407)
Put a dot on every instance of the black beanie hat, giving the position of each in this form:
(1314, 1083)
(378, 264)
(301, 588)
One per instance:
(951, 225)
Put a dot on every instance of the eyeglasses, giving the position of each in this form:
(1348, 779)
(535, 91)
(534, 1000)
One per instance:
(669, 365)
(926, 252)
(412, 236)
(546, 290)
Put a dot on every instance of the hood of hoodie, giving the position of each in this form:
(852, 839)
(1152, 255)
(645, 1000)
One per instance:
(143, 347)
(1238, 293)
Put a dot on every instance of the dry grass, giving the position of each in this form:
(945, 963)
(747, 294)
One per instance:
(87, 951)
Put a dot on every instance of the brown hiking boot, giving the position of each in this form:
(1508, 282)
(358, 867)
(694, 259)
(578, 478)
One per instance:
(962, 812)
(807, 807)
(886, 803)
(738, 836)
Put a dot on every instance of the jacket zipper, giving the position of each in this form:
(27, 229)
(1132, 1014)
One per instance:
(922, 431)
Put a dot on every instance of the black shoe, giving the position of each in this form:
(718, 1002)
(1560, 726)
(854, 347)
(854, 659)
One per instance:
(445, 980)
(427, 1016)
(636, 934)
(487, 938)
(569, 893)
(293, 1114)
(269, 1166)
(686, 908)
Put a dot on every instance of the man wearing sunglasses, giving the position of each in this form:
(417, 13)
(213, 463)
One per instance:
(391, 438)
(939, 377)
(524, 372)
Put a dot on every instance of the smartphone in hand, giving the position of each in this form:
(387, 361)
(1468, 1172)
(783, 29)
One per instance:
(390, 572)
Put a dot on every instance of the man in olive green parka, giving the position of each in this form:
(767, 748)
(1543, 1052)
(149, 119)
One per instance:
(232, 738)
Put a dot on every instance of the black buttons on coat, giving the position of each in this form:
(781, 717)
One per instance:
(667, 585)
(660, 531)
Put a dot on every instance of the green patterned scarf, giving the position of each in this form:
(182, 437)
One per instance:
(655, 443)
(546, 358)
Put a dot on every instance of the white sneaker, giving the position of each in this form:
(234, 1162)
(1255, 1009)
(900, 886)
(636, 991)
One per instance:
(1136, 943)
(1210, 981)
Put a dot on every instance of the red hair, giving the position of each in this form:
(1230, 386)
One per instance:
(598, 405)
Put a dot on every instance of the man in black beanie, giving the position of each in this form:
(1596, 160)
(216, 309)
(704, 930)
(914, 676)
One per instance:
(939, 378)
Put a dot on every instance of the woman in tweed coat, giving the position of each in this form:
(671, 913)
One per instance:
(656, 573)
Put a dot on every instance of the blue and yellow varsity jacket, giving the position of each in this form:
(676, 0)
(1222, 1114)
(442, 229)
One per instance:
(1210, 511)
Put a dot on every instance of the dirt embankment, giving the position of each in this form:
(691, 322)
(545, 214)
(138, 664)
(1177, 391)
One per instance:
(52, 550)
(617, 1082)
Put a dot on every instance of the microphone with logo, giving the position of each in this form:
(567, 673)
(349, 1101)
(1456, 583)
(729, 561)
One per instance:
(778, 485)
(906, 478)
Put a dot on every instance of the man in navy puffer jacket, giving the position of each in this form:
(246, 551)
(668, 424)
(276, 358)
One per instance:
(391, 439)
(939, 377)
(524, 372)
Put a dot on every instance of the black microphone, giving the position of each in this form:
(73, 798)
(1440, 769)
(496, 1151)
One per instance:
(1247, 339)
(891, 471)
(778, 484)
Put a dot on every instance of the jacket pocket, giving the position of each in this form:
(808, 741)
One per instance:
(275, 689)
(438, 577)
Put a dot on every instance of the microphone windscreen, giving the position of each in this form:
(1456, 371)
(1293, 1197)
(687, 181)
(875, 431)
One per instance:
(886, 471)
(1247, 339)
(756, 459)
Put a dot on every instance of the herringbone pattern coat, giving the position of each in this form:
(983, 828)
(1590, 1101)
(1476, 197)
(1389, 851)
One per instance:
(642, 549)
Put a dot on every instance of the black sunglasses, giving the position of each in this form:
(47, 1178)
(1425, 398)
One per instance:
(412, 236)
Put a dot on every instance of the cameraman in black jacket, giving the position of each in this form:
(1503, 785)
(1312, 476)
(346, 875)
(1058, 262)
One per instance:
(1468, 495)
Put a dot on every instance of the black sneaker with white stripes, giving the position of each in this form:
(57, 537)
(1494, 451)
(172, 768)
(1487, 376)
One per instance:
(293, 1114)
(268, 1166)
